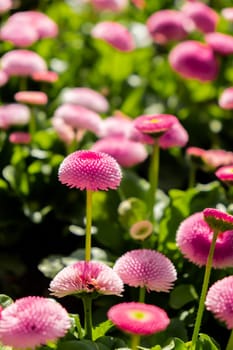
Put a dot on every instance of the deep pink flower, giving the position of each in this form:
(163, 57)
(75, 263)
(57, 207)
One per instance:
(218, 220)
(146, 268)
(176, 136)
(221, 43)
(225, 100)
(204, 17)
(225, 174)
(13, 114)
(31, 97)
(138, 318)
(219, 300)
(22, 62)
(90, 170)
(115, 34)
(33, 321)
(109, 5)
(169, 25)
(127, 153)
(17, 34)
(5, 5)
(227, 13)
(20, 137)
(156, 124)
(47, 76)
(86, 277)
(194, 60)
(85, 97)
(194, 238)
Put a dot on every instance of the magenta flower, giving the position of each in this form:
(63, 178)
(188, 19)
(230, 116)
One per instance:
(204, 17)
(115, 34)
(20, 137)
(194, 60)
(218, 220)
(85, 97)
(221, 43)
(127, 153)
(90, 170)
(176, 136)
(109, 5)
(225, 100)
(146, 268)
(31, 97)
(33, 321)
(169, 25)
(13, 114)
(138, 318)
(219, 300)
(156, 124)
(194, 237)
(85, 277)
(22, 62)
(225, 174)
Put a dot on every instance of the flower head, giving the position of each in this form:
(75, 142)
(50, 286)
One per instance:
(176, 136)
(218, 220)
(146, 268)
(110, 5)
(141, 230)
(225, 100)
(13, 114)
(227, 13)
(86, 277)
(225, 174)
(194, 237)
(31, 97)
(32, 321)
(219, 300)
(138, 318)
(156, 124)
(90, 170)
(47, 76)
(21, 36)
(5, 5)
(221, 43)
(20, 137)
(3, 78)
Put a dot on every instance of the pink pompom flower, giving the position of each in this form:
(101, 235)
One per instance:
(33, 321)
(20, 137)
(138, 318)
(146, 268)
(219, 300)
(221, 43)
(31, 97)
(194, 60)
(225, 100)
(18, 35)
(90, 170)
(225, 174)
(86, 277)
(13, 114)
(218, 220)
(194, 237)
(156, 124)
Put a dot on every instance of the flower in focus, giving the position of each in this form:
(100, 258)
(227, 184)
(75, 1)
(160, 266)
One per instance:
(115, 34)
(194, 60)
(20, 137)
(156, 124)
(138, 318)
(31, 97)
(33, 321)
(176, 136)
(86, 277)
(90, 170)
(141, 230)
(225, 174)
(225, 100)
(146, 268)
(13, 114)
(218, 220)
(194, 237)
(219, 300)
(221, 43)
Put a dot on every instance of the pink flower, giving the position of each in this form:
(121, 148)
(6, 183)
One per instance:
(168, 25)
(227, 13)
(194, 238)
(22, 62)
(127, 153)
(225, 174)
(3, 78)
(218, 220)
(138, 318)
(204, 17)
(194, 60)
(90, 170)
(47, 76)
(115, 34)
(110, 5)
(219, 300)
(86, 277)
(85, 97)
(33, 321)
(31, 97)
(17, 34)
(210, 159)
(64, 131)
(176, 136)
(13, 114)
(156, 124)
(221, 43)
(146, 268)
(5, 5)
(20, 137)
(225, 100)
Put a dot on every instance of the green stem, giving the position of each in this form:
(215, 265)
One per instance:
(135, 341)
(88, 225)
(142, 293)
(192, 175)
(153, 176)
(87, 303)
(204, 291)
(230, 342)
(32, 122)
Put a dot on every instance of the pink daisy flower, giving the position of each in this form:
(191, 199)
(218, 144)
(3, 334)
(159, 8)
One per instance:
(176, 136)
(46, 76)
(13, 114)
(194, 238)
(227, 13)
(156, 124)
(141, 230)
(3, 78)
(221, 43)
(138, 318)
(215, 158)
(225, 100)
(225, 174)
(115, 34)
(219, 300)
(86, 277)
(31, 97)
(109, 5)
(90, 170)
(33, 321)
(17, 34)
(64, 131)
(127, 153)
(20, 137)
(146, 268)
(218, 220)
(194, 60)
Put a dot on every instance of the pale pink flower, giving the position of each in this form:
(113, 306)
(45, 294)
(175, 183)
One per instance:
(169, 25)
(225, 100)
(140, 230)
(227, 13)
(3, 78)
(109, 5)
(156, 124)
(204, 17)
(210, 159)
(225, 174)
(20, 137)
(194, 237)
(176, 136)
(86, 277)
(115, 34)
(194, 60)
(13, 114)
(85, 97)
(219, 300)
(218, 220)
(31, 97)
(64, 131)
(90, 170)
(128, 153)
(221, 43)
(138, 318)
(146, 268)
(22, 62)
(17, 34)
(5, 5)
(45, 76)
(33, 321)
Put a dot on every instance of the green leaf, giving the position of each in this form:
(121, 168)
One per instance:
(175, 344)
(132, 210)
(111, 343)
(101, 329)
(77, 345)
(205, 342)
(181, 295)
(5, 300)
